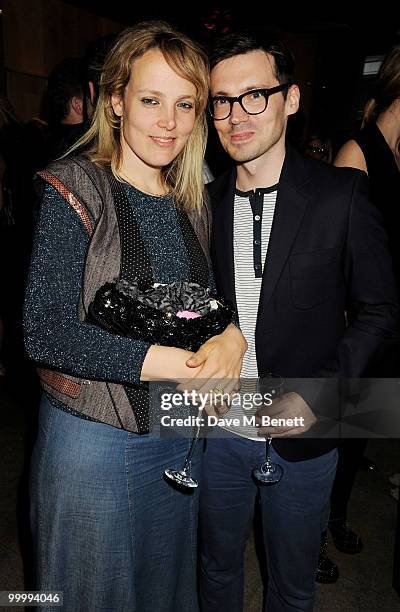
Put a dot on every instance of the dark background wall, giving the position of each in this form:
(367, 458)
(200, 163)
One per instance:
(36, 35)
(330, 46)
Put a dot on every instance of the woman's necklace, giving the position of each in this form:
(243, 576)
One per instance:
(146, 191)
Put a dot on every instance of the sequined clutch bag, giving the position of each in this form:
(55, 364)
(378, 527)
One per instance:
(181, 314)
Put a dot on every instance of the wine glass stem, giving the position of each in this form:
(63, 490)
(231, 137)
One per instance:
(195, 438)
(269, 440)
(189, 456)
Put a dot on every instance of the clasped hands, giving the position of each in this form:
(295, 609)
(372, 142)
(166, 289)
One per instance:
(218, 364)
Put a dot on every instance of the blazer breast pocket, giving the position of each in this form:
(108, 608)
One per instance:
(311, 275)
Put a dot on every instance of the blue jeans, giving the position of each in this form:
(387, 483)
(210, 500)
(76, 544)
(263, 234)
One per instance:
(109, 531)
(294, 512)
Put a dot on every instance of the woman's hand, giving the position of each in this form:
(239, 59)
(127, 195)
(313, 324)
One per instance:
(218, 362)
(167, 363)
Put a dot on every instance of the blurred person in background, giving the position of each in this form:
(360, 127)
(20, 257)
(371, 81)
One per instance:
(96, 53)
(13, 213)
(65, 106)
(319, 147)
(375, 149)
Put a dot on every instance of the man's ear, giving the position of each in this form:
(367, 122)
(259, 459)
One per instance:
(77, 105)
(118, 104)
(292, 101)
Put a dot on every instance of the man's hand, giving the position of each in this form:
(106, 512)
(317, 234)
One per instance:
(218, 362)
(293, 409)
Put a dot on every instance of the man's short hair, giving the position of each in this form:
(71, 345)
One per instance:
(238, 43)
(65, 81)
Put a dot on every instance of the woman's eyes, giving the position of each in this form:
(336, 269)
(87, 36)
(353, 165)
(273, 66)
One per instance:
(186, 105)
(149, 101)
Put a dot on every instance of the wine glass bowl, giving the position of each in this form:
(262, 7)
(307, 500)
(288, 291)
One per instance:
(269, 472)
(182, 477)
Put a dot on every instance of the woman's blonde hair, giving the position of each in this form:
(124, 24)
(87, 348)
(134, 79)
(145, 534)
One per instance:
(184, 175)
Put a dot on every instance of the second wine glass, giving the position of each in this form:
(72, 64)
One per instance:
(270, 472)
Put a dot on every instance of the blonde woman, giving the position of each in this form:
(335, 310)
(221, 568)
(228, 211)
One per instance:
(110, 532)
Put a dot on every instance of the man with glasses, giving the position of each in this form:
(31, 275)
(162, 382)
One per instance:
(295, 244)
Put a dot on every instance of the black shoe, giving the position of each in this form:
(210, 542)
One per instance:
(327, 571)
(344, 538)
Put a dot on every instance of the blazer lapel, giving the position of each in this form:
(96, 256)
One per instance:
(222, 197)
(289, 211)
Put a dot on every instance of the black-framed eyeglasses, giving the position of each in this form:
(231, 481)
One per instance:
(253, 102)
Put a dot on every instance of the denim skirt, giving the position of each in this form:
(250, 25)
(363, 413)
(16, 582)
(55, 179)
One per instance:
(110, 532)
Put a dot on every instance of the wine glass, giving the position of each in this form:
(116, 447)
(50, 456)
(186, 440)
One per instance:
(270, 472)
(183, 477)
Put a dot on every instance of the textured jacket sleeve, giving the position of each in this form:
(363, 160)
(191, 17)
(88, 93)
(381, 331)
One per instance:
(54, 335)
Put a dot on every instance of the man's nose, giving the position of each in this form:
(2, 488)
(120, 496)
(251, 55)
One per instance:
(237, 114)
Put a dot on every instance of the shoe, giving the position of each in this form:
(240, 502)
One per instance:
(344, 538)
(327, 571)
